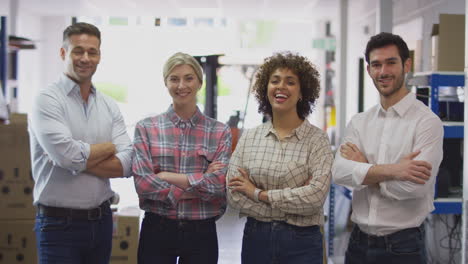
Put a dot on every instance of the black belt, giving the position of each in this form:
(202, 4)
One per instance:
(162, 220)
(382, 241)
(79, 214)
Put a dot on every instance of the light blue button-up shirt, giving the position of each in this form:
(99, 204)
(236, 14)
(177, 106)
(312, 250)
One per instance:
(62, 127)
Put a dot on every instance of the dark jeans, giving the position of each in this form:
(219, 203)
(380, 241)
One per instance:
(279, 242)
(64, 240)
(162, 240)
(405, 246)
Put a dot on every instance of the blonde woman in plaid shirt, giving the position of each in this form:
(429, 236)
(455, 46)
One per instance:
(279, 174)
(179, 170)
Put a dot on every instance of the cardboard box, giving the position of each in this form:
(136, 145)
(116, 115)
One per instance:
(448, 43)
(125, 239)
(17, 242)
(16, 182)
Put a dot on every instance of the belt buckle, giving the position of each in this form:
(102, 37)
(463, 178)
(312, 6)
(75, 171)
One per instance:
(93, 217)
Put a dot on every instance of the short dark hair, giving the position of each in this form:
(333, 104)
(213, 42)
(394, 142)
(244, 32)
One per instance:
(299, 65)
(384, 39)
(81, 28)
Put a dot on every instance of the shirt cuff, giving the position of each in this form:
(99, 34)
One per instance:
(126, 162)
(194, 179)
(80, 165)
(275, 197)
(175, 194)
(359, 173)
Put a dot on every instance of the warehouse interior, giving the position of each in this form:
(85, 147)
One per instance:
(139, 35)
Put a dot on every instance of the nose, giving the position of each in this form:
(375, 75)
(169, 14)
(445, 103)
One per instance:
(384, 70)
(281, 84)
(85, 56)
(181, 84)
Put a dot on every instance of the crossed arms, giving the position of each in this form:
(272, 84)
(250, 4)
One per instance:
(412, 176)
(106, 160)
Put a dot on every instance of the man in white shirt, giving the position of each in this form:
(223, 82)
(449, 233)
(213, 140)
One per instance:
(390, 157)
(78, 141)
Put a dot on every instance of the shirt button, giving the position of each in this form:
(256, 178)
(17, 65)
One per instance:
(182, 125)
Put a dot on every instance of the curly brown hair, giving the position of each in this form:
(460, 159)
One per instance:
(299, 65)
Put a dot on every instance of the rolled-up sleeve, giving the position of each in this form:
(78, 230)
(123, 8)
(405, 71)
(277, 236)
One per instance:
(350, 173)
(147, 184)
(213, 185)
(122, 142)
(238, 200)
(49, 126)
(308, 199)
(429, 140)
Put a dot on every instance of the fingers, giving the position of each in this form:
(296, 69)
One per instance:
(412, 155)
(236, 184)
(353, 147)
(419, 172)
(422, 163)
(243, 172)
(215, 166)
(416, 180)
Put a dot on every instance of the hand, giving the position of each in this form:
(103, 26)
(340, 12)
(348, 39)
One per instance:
(242, 184)
(350, 151)
(215, 166)
(407, 169)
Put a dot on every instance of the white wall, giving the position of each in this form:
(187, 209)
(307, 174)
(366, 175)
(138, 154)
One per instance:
(40, 67)
(5, 8)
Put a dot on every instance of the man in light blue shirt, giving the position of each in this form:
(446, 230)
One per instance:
(78, 141)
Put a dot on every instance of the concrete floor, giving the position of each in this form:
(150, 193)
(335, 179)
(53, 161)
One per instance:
(230, 230)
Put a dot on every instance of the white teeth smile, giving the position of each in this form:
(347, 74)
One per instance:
(281, 96)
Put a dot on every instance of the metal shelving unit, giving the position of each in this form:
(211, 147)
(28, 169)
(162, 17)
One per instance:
(433, 81)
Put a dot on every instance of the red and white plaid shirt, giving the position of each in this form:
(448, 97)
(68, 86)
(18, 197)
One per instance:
(167, 143)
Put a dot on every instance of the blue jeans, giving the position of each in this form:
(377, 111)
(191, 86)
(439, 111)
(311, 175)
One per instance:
(64, 240)
(163, 240)
(279, 242)
(405, 246)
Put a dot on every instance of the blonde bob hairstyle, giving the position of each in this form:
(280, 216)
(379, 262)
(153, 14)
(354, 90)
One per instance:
(181, 59)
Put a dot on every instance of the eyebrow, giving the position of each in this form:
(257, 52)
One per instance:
(386, 60)
(287, 77)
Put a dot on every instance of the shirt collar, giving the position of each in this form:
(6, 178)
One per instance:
(177, 120)
(70, 85)
(402, 106)
(300, 131)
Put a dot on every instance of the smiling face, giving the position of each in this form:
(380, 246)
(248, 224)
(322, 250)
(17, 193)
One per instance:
(81, 55)
(388, 71)
(284, 91)
(183, 85)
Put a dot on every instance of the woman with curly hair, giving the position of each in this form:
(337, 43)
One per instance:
(279, 174)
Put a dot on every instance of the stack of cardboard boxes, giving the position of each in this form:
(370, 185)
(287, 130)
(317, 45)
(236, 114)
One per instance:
(17, 239)
(17, 213)
(125, 239)
(448, 43)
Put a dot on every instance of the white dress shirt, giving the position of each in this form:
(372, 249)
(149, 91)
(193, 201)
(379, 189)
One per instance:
(384, 137)
(62, 128)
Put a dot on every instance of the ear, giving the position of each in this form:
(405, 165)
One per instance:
(368, 69)
(63, 53)
(407, 65)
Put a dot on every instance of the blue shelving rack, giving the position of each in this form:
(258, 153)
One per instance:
(435, 80)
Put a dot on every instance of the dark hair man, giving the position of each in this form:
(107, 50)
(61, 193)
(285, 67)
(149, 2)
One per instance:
(390, 157)
(78, 141)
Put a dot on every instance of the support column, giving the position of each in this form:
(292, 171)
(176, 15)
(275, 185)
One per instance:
(384, 17)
